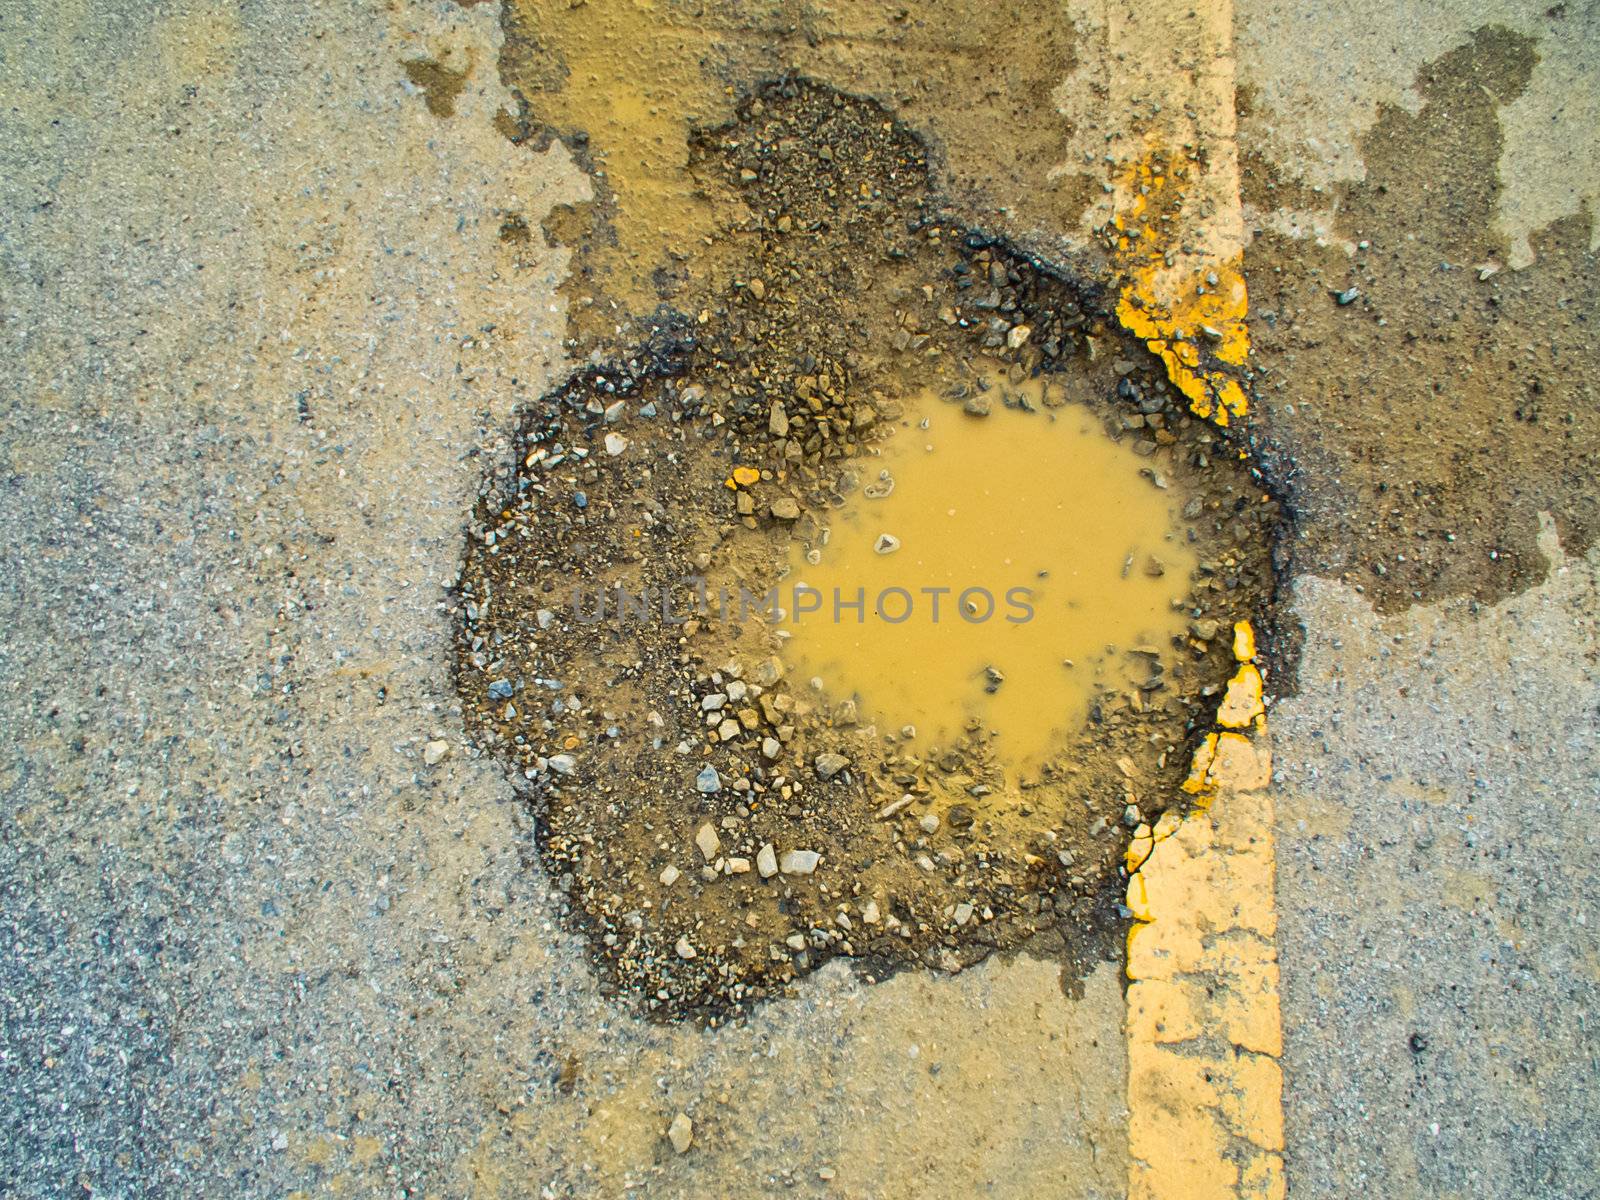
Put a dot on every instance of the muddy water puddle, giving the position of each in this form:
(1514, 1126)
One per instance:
(1002, 562)
(718, 826)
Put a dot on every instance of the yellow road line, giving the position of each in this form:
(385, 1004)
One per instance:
(1204, 1036)
(1177, 233)
(1203, 1025)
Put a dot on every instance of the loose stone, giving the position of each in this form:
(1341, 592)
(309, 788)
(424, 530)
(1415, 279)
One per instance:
(829, 764)
(799, 862)
(707, 842)
(681, 1133)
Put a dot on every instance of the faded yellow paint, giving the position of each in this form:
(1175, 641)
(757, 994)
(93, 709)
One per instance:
(1199, 780)
(1191, 314)
(1176, 229)
(1203, 1022)
(1244, 641)
(1203, 1027)
(1242, 705)
(1226, 758)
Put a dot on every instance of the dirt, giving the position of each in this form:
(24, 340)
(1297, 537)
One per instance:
(1426, 422)
(839, 287)
(623, 85)
(440, 84)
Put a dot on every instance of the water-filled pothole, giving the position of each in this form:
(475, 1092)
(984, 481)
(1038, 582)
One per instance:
(1002, 562)
(720, 827)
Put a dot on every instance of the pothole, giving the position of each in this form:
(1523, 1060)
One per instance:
(719, 825)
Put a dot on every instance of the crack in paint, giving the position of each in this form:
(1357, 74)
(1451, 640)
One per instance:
(1204, 1031)
(1191, 316)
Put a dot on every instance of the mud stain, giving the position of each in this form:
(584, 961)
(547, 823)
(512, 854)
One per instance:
(1431, 401)
(440, 84)
(624, 83)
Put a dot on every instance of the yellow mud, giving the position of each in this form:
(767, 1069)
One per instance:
(1059, 556)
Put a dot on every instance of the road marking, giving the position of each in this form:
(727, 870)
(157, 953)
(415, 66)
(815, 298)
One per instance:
(1204, 1035)
(1205, 1091)
(1177, 234)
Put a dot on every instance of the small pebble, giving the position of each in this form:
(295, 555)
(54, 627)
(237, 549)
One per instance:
(830, 764)
(767, 861)
(681, 1133)
(707, 841)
